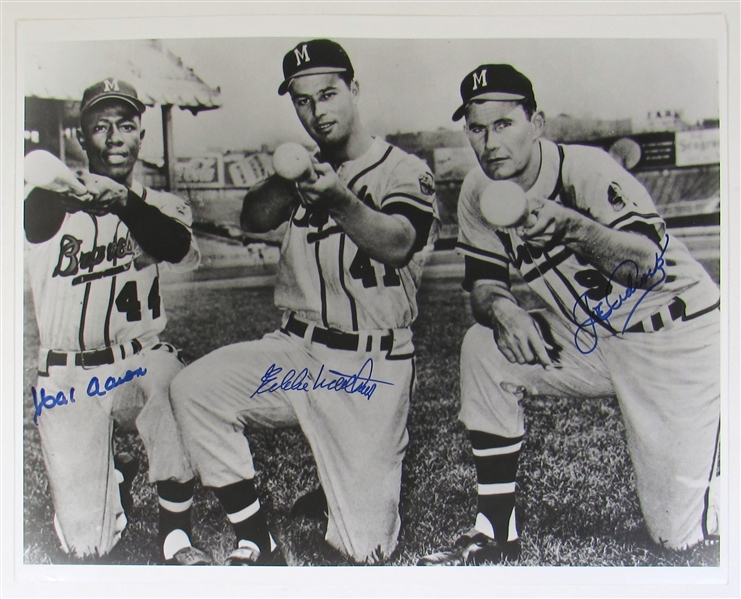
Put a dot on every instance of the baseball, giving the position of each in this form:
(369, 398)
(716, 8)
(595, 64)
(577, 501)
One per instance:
(43, 169)
(503, 204)
(292, 161)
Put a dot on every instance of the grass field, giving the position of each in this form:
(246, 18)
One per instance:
(577, 493)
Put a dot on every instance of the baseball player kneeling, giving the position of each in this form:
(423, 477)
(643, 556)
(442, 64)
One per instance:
(96, 244)
(628, 312)
(360, 223)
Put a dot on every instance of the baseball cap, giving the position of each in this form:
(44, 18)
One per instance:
(111, 88)
(494, 82)
(315, 57)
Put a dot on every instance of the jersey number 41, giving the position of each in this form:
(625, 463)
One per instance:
(362, 268)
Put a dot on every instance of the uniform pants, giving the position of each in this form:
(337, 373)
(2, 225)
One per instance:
(76, 441)
(358, 441)
(668, 387)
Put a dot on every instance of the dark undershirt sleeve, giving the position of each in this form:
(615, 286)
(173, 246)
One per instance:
(421, 221)
(645, 229)
(160, 236)
(479, 269)
(43, 215)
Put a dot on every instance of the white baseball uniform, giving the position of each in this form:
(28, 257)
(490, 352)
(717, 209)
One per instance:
(656, 348)
(99, 311)
(341, 366)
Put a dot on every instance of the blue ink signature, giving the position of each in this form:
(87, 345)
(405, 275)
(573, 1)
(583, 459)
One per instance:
(361, 382)
(46, 401)
(602, 311)
(111, 383)
(49, 401)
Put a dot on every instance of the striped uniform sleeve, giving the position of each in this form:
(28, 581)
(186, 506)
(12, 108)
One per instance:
(484, 255)
(411, 192)
(611, 195)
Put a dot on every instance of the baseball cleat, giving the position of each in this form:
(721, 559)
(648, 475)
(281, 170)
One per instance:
(190, 556)
(128, 466)
(474, 548)
(251, 556)
(311, 505)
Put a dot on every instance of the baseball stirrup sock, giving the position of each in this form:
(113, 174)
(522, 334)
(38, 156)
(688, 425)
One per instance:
(242, 507)
(176, 502)
(496, 459)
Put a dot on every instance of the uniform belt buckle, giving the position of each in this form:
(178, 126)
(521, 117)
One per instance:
(341, 340)
(335, 339)
(94, 358)
(82, 360)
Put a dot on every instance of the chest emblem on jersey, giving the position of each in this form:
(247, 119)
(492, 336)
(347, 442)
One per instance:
(319, 217)
(615, 197)
(521, 254)
(315, 217)
(426, 184)
(72, 259)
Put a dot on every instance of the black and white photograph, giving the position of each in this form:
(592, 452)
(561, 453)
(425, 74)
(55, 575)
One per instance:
(359, 294)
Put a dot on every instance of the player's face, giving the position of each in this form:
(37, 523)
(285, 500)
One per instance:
(503, 138)
(111, 134)
(326, 107)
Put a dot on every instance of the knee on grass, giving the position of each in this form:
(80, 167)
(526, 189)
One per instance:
(83, 548)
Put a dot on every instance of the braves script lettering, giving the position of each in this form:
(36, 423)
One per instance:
(361, 382)
(72, 259)
(585, 338)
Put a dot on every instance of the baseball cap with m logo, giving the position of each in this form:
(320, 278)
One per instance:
(497, 82)
(316, 57)
(111, 88)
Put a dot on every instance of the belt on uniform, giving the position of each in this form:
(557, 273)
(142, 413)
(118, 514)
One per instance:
(674, 311)
(95, 357)
(334, 339)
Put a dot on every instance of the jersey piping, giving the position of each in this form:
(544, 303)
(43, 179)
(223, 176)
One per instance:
(353, 307)
(322, 285)
(372, 167)
(107, 322)
(552, 263)
(351, 300)
(336, 284)
(587, 180)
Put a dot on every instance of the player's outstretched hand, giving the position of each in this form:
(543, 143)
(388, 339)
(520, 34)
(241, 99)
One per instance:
(41, 169)
(69, 192)
(68, 186)
(106, 193)
(517, 335)
(547, 219)
(327, 191)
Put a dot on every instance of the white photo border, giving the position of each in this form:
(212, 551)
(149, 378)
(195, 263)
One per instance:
(24, 23)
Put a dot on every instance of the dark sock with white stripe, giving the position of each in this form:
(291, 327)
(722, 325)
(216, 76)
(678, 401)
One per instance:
(176, 505)
(496, 459)
(242, 507)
